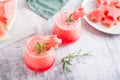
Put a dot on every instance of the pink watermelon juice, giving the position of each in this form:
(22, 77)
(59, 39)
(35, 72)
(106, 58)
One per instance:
(42, 59)
(69, 32)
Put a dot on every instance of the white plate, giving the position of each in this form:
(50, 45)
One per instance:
(89, 5)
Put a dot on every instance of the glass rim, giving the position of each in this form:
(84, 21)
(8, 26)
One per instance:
(78, 22)
(29, 53)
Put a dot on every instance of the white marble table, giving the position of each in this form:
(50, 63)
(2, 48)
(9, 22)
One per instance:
(104, 64)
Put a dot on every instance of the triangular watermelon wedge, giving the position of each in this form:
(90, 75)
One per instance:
(7, 13)
(3, 34)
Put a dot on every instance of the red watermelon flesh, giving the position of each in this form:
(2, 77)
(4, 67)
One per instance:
(2, 32)
(6, 22)
(2, 12)
(109, 22)
(78, 13)
(113, 12)
(106, 12)
(103, 2)
(7, 9)
(96, 15)
(53, 41)
(118, 18)
(7, 12)
(103, 9)
(117, 5)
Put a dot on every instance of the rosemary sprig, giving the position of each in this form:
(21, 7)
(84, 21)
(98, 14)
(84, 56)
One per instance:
(67, 61)
(40, 48)
(70, 19)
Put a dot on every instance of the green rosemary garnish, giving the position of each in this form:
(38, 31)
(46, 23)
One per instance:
(70, 19)
(40, 48)
(67, 61)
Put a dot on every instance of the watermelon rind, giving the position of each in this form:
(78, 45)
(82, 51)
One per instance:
(4, 37)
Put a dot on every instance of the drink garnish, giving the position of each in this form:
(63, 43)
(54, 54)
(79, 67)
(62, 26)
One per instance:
(40, 48)
(76, 15)
(70, 19)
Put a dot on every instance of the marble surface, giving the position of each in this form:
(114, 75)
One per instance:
(104, 64)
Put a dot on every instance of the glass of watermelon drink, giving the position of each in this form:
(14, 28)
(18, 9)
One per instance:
(68, 25)
(39, 52)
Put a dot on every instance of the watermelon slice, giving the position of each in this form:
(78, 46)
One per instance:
(96, 15)
(113, 12)
(53, 41)
(78, 13)
(3, 34)
(108, 22)
(107, 12)
(7, 13)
